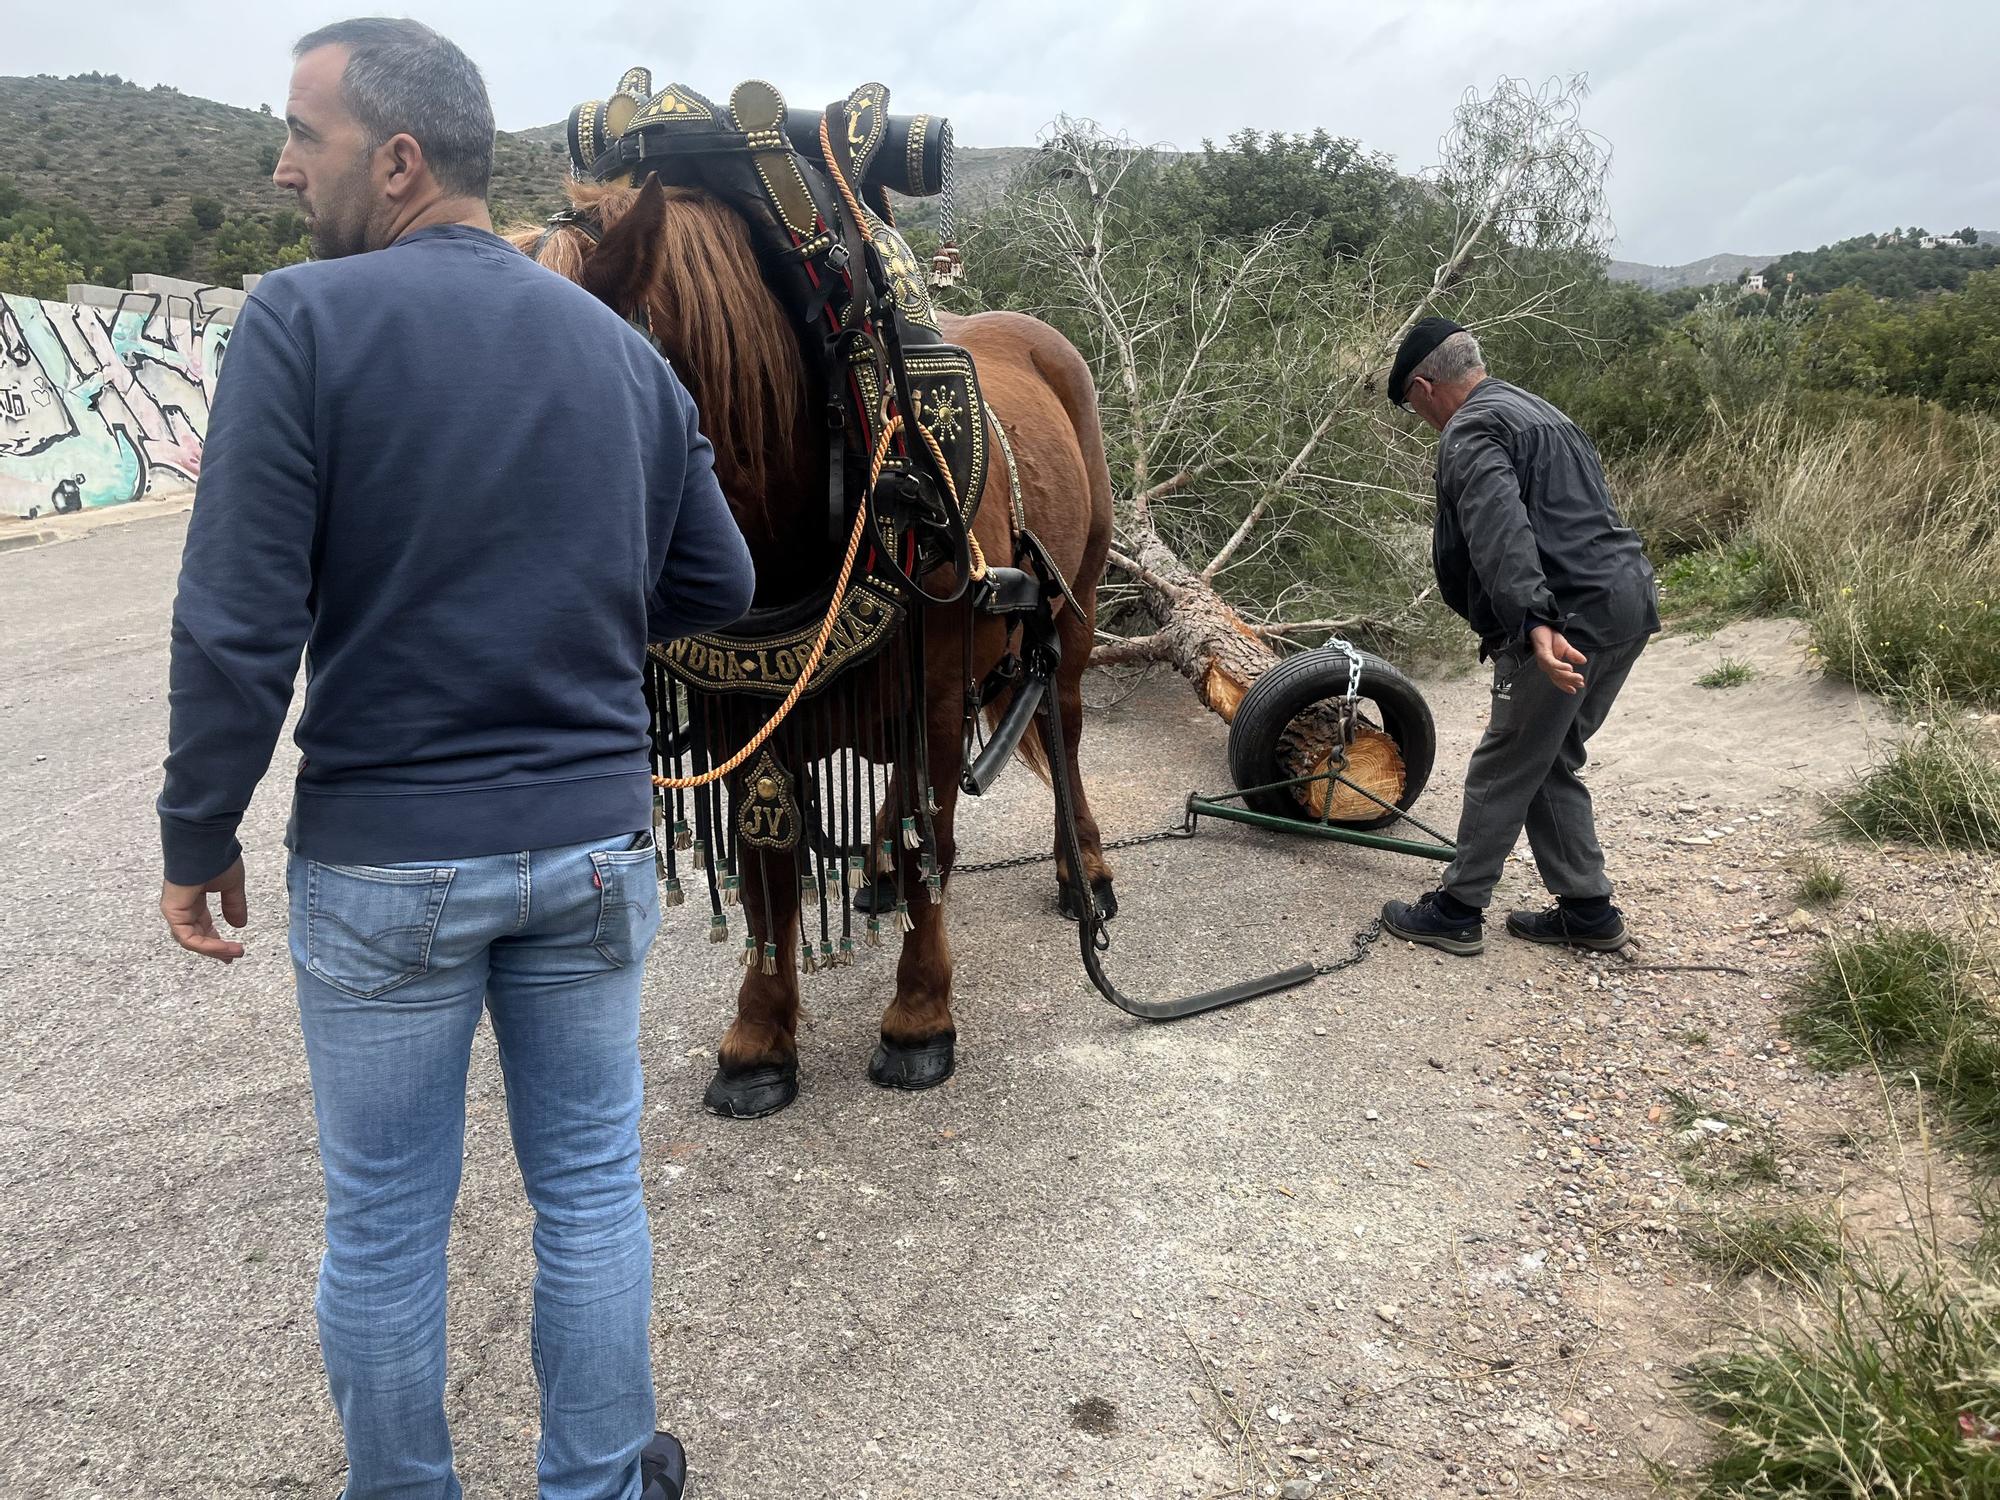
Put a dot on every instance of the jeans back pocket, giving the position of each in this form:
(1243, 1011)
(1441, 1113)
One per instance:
(628, 904)
(369, 929)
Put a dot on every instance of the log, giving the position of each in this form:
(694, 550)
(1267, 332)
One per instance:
(1373, 761)
(1210, 644)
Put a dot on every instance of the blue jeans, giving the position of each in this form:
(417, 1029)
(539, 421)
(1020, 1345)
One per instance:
(394, 964)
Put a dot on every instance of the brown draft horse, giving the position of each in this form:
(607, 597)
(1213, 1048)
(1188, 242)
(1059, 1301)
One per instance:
(685, 258)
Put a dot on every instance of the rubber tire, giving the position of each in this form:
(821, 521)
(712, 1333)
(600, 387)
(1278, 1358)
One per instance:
(1298, 682)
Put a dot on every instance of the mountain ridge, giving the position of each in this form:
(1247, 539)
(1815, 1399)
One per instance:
(1707, 271)
(157, 166)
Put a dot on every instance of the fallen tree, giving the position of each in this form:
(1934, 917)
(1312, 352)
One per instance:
(1253, 458)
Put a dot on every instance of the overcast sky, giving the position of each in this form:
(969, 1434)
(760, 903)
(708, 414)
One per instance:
(1753, 128)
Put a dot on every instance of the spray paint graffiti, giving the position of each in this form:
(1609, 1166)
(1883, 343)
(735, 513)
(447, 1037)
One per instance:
(101, 405)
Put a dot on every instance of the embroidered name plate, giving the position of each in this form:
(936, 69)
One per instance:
(728, 663)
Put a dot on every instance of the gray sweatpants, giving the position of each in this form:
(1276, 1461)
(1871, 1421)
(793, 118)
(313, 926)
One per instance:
(1524, 774)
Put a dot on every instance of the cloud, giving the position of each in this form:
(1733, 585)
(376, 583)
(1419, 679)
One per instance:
(1748, 128)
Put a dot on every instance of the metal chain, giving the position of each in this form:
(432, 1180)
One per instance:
(1348, 650)
(1022, 861)
(948, 173)
(1358, 945)
(1358, 951)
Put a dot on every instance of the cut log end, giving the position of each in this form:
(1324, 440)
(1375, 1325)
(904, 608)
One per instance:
(1373, 761)
(1223, 691)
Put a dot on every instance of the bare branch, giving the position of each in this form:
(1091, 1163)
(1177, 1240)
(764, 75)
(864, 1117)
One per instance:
(1144, 574)
(1118, 651)
(1523, 158)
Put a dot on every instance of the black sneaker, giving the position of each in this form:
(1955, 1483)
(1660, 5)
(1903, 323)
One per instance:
(1420, 921)
(663, 1469)
(1564, 926)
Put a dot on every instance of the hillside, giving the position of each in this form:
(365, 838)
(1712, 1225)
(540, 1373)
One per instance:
(134, 157)
(1903, 269)
(1900, 269)
(182, 186)
(1705, 272)
(131, 179)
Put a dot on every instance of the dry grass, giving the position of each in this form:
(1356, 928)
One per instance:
(1787, 1245)
(1939, 788)
(1916, 1005)
(1882, 530)
(1886, 1383)
(1887, 540)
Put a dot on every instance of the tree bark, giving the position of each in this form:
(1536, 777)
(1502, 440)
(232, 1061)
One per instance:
(1201, 635)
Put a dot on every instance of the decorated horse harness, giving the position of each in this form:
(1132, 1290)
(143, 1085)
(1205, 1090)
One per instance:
(907, 465)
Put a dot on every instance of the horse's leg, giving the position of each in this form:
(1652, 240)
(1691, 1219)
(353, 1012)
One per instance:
(1077, 639)
(758, 1072)
(918, 1048)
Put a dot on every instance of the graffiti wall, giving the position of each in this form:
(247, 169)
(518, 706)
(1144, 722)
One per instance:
(100, 405)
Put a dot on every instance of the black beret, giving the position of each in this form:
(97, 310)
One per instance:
(1417, 345)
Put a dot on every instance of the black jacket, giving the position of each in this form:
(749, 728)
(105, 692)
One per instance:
(1526, 533)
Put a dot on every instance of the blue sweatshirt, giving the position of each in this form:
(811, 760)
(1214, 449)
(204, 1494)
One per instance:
(471, 493)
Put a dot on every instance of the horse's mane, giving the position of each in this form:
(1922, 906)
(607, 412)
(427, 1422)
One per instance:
(729, 339)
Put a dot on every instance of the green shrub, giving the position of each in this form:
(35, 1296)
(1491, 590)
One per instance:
(1727, 673)
(1705, 590)
(1939, 788)
(1885, 997)
(1889, 1385)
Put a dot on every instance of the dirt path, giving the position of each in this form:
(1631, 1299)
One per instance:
(1406, 1233)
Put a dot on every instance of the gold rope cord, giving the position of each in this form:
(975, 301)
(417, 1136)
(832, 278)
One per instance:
(688, 783)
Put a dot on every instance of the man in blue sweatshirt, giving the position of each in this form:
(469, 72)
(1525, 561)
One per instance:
(470, 493)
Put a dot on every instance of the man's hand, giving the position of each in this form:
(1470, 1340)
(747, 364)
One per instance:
(188, 918)
(1557, 658)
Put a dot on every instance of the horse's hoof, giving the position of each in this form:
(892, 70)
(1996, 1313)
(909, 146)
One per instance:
(752, 1093)
(877, 898)
(923, 1066)
(1107, 900)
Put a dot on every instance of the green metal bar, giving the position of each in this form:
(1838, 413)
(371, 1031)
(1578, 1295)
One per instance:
(1200, 806)
(1325, 820)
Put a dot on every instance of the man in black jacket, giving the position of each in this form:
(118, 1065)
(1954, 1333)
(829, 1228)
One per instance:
(1529, 549)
